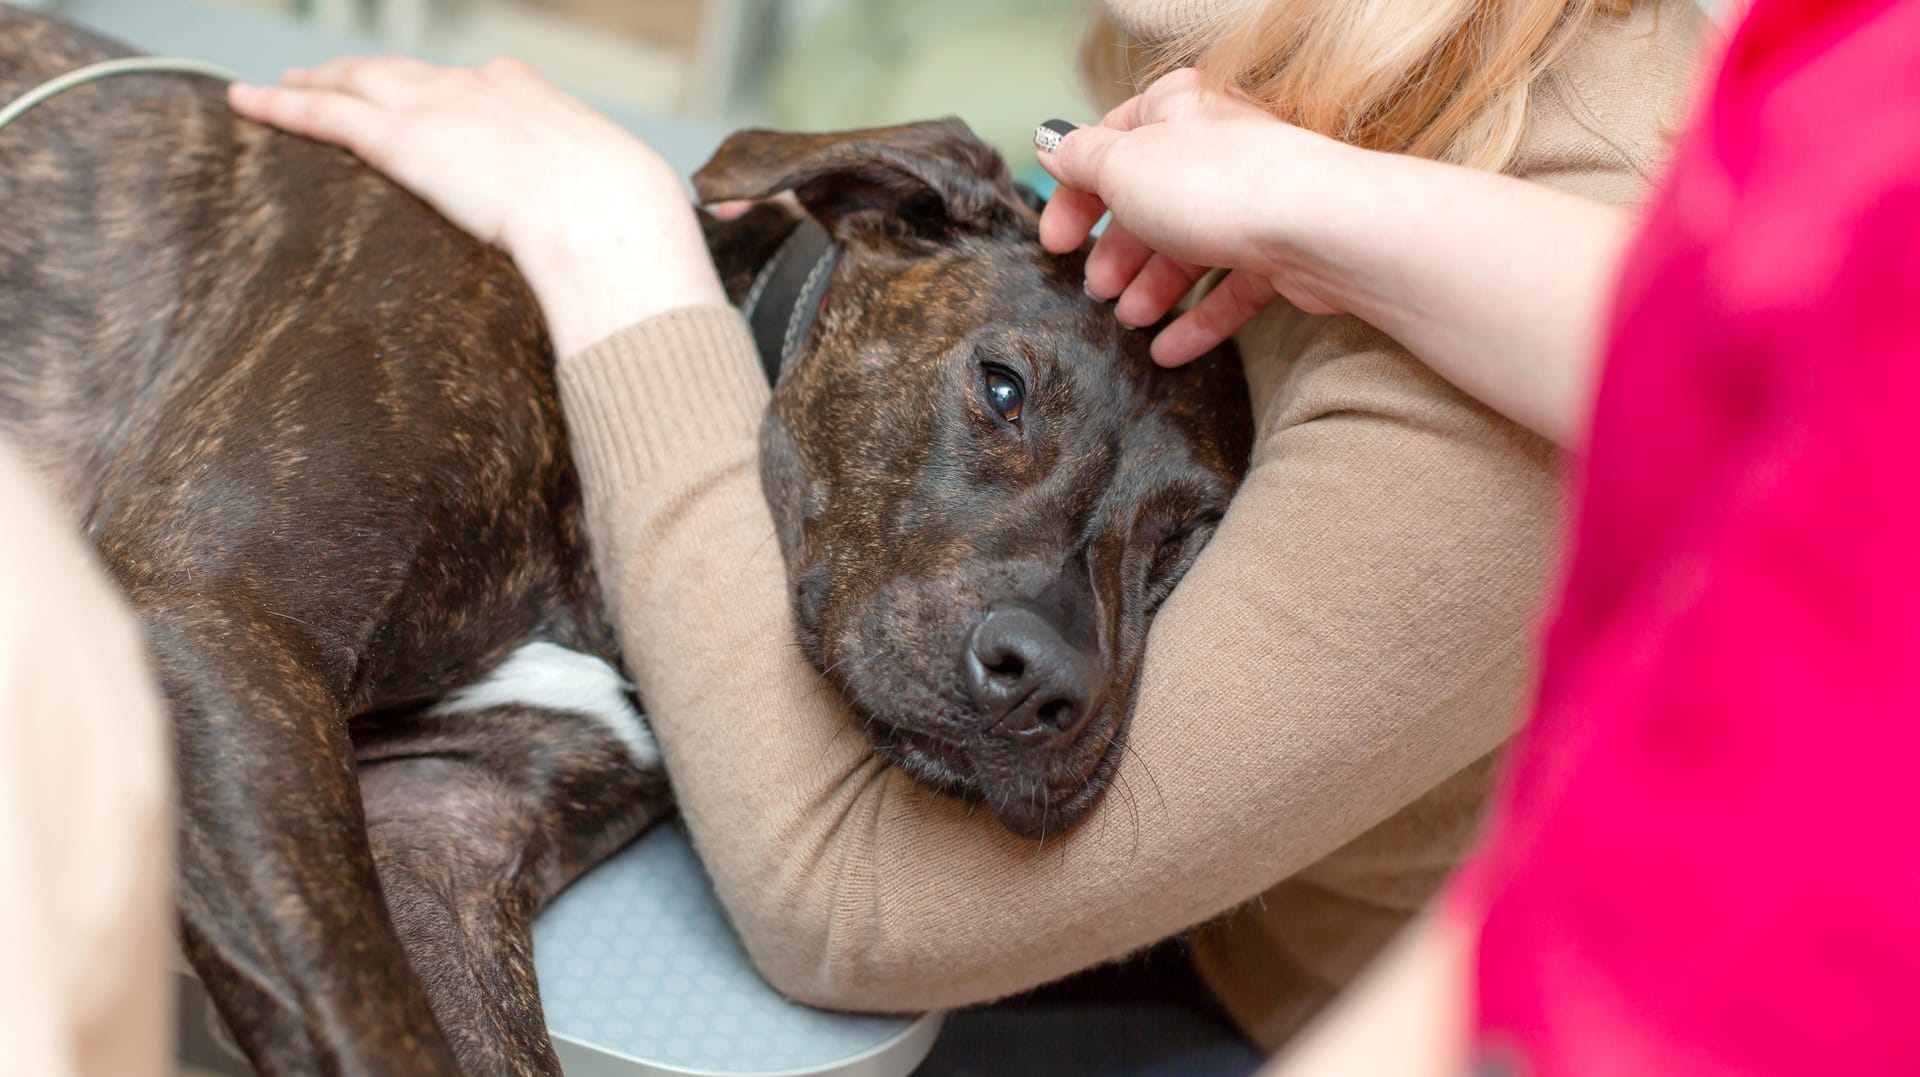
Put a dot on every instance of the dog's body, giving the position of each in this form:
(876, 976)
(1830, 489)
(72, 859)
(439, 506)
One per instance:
(311, 429)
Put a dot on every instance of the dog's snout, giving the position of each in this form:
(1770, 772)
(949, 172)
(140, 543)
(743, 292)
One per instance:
(1028, 679)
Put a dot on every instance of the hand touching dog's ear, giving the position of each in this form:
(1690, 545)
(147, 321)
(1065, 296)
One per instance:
(932, 179)
(1197, 178)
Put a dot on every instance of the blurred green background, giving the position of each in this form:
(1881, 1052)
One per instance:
(699, 65)
(1001, 65)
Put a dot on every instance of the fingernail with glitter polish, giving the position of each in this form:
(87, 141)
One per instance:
(1048, 135)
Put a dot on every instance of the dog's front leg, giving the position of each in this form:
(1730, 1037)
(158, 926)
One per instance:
(279, 901)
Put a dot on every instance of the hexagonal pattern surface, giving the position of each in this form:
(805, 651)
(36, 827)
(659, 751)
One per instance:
(637, 960)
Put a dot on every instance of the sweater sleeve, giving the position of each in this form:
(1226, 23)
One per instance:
(1356, 632)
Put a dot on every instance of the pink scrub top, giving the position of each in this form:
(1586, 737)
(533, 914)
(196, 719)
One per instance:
(1706, 855)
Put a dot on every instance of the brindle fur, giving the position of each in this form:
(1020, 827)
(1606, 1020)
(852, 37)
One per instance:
(311, 430)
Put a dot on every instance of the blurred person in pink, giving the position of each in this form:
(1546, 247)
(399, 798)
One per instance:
(1707, 855)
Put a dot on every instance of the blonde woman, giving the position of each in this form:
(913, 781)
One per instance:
(1326, 690)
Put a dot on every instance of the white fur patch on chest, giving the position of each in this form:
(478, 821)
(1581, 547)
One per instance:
(552, 677)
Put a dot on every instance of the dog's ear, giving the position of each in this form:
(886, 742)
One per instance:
(932, 179)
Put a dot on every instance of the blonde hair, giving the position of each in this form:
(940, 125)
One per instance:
(1447, 79)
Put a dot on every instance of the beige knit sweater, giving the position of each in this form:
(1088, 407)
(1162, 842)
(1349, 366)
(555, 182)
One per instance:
(1321, 694)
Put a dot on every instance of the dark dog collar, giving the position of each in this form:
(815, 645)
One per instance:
(785, 297)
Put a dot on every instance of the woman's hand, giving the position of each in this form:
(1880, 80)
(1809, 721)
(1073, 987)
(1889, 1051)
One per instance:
(597, 222)
(1500, 285)
(1196, 179)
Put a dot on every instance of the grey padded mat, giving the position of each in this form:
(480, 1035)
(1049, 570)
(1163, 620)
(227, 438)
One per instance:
(640, 973)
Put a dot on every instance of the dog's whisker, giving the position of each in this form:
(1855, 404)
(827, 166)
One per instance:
(1147, 768)
(1123, 782)
(833, 741)
(1044, 805)
(1133, 805)
(771, 535)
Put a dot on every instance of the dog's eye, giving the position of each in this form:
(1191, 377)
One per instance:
(1005, 394)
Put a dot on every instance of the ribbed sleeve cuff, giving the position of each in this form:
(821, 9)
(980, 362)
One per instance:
(650, 396)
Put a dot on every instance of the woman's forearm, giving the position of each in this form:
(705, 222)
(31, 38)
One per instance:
(1500, 285)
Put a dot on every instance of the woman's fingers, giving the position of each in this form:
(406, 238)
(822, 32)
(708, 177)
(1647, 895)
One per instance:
(389, 81)
(1074, 155)
(735, 208)
(511, 70)
(1069, 218)
(1218, 315)
(349, 101)
(1156, 159)
(325, 115)
(1115, 260)
(1161, 283)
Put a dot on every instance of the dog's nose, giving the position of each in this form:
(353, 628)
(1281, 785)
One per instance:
(1027, 678)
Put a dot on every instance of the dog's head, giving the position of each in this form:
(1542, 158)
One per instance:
(982, 485)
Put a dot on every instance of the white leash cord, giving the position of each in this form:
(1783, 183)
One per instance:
(130, 65)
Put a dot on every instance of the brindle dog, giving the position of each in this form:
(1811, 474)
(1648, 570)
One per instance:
(311, 430)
